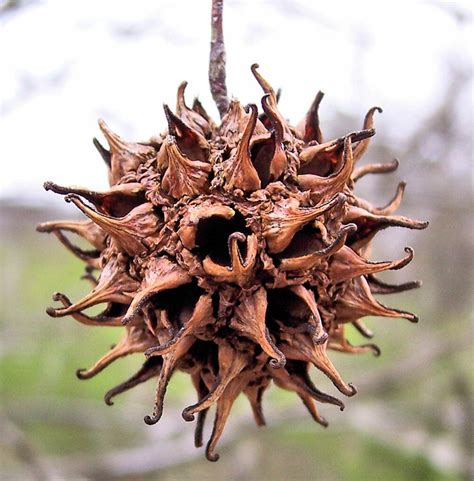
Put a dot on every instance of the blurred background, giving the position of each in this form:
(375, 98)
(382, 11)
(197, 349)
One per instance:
(63, 64)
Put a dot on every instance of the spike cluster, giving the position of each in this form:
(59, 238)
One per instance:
(234, 253)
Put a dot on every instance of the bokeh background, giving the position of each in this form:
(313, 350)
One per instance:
(63, 64)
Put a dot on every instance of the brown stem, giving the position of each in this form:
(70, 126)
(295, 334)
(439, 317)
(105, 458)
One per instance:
(217, 59)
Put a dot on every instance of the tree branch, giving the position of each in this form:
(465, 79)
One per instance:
(217, 59)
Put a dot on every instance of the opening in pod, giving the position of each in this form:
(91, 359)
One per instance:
(212, 237)
(317, 166)
(262, 154)
(176, 304)
(202, 354)
(304, 242)
(287, 309)
(114, 309)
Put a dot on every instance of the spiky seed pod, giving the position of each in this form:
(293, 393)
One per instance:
(234, 253)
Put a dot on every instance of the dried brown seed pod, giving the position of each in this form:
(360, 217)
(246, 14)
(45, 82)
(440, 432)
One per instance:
(234, 253)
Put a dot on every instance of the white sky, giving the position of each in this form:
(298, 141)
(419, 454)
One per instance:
(63, 64)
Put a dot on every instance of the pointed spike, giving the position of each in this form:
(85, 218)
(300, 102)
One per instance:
(323, 187)
(279, 162)
(301, 347)
(393, 205)
(163, 380)
(347, 264)
(198, 108)
(202, 391)
(125, 156)
(169, 364)
(150, 368)
(286, 219)
(358, 301)
(231, 363)
(275, 118)
(239, 171)
(131, 232)
(379, 287)
(90, 257)
(183, 176)
(362, 146)
(311, 407)
(278, 95)
(331, 149)
(162, 275)
(309, 128)
(85, 229)
(233, 122)
(199, 429)
(369, 224)
(324, 364)
(224, 405)
(310, 260)
(375, 169)
(115, 285)
(191, 117)
(134, 340)
(338, 342)
(88, 276)
(202, 314)
(347, 347)
(249, 319)
(180, 101)
(363, 329)
(267, 88)
(300, 373)
(191, 143)
(299, 382)
(317, 330)
(254, 394)
(100, 320)
(116, 143)
(104, 153)
(117, 201)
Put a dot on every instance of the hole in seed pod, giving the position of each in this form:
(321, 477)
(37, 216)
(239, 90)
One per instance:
(318, 166)
(178, 303)
(287, 308)
(304, 242)
(200, 352)
(262, 154)
(365, 227)
(215, 304)
(212, 237)
(209, 356)
(114, 309)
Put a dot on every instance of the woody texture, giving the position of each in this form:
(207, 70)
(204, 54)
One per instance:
(235, 252)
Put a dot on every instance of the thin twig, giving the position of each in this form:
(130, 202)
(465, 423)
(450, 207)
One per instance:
(217, 59)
